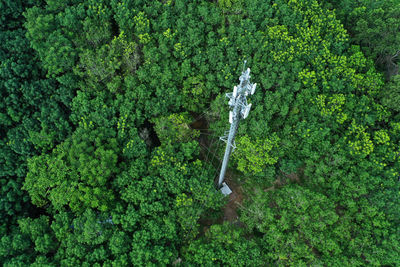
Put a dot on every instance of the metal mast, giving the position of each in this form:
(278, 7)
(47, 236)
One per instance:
(240, 110)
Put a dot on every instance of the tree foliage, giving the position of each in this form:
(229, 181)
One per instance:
(374, 26)
(104, 155)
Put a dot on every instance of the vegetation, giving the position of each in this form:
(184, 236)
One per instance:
(110, 114)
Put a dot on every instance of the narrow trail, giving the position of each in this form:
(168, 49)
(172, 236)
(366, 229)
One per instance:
(235, 199)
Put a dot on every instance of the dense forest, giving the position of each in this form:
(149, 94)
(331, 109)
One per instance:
(111, 113)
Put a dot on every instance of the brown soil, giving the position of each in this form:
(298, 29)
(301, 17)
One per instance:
(235, 199)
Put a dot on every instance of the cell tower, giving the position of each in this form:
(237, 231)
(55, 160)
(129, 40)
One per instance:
(239, 110)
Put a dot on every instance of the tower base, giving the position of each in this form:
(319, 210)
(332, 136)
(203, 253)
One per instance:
(225, 190)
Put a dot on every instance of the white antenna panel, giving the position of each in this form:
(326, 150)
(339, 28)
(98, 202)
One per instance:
(230, 116)
(234, 91)
(253, 88)
(246, 111)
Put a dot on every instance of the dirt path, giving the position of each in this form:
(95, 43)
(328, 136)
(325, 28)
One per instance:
(235, 199)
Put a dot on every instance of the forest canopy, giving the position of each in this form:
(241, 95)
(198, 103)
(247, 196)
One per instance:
(111, 113)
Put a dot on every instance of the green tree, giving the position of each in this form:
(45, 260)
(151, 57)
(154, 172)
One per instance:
(175, 127)
(77, 172)
(390, 95)
(374, 26)
(33, 112)
(224, 245)
(40, 233)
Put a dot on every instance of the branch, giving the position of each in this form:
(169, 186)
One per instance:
(395, 55)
